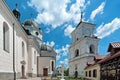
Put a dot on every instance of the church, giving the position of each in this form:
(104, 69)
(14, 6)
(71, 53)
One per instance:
(83, 48)
(23, 53)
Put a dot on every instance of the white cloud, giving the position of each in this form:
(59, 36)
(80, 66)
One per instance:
(106, 29)
(55, 13)
(61, 62)
(47, 30)
(58, 57)
(65, 62)
(68, 30)
(23, 6)
(88, 3)
(63, 51)
(52, 43)
(99, 10)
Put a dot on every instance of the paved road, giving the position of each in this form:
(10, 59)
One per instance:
(31, 79)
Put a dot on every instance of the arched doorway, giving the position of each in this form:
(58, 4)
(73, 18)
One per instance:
(76, 74)
(23, 71)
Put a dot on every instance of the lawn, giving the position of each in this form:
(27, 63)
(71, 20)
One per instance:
(65, 79)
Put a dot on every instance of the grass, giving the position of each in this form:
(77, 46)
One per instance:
(65, 79)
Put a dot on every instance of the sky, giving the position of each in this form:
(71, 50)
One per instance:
(58, 18)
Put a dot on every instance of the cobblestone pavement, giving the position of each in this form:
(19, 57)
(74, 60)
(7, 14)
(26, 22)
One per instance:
(37, 78)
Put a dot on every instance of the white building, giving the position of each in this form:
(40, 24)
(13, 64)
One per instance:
(83, 48)
(21, 47)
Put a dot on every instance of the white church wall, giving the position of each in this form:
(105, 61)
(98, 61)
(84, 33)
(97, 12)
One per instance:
(6, 58)
(20, 53)
(33, 52)
(44, 62)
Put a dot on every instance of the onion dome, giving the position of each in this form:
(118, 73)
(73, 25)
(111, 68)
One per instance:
(34, 29)
(31, 23)
(16, 12)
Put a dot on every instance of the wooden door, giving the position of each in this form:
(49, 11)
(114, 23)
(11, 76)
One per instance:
(45, 72)
(23, 71)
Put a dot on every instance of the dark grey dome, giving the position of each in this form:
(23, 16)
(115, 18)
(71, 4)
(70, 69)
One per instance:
(31, 23)
(45, 47)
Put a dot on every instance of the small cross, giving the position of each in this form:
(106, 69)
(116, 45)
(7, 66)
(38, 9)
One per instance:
(81, 16)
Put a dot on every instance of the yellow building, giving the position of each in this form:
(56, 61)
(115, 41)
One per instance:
(105, 68)
(92, 71)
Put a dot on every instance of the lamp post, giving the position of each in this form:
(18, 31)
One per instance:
(14, 54)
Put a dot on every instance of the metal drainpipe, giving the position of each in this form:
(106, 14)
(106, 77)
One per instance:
(14, 54)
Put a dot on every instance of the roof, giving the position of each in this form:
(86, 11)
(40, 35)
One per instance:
(113, 45)
(98, 57)
(104, 59)
(45, 47)
(89, 64)
(109, 57)
(32, 23)
(84, 22)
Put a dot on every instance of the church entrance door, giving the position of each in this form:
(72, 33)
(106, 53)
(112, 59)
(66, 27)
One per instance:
(45, 72)
(23, 71)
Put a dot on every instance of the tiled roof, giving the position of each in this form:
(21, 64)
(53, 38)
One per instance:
(98, 57)
(109, 57)
(114, 45)
(89, 64)
(106, 58)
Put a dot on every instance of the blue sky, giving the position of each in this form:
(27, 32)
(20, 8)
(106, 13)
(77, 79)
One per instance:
(58, 18)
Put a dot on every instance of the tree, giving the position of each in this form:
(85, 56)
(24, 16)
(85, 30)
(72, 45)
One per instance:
(66, 72)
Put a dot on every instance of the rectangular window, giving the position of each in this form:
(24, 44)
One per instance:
(86, 73)
(94, 73)
(89, 73)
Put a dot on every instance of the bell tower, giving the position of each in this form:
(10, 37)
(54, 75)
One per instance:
(83, 48)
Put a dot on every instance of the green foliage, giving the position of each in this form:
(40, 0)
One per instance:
(66, 72)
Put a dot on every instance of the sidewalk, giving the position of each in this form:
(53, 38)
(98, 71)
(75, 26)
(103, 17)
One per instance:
(37, 78)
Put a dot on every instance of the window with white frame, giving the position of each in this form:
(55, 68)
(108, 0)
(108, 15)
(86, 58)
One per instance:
(5, 37)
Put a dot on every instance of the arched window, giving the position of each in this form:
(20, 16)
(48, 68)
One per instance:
(52, 65)
(23, 49)
(92, 49)
(76, 52)
(5, 37)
